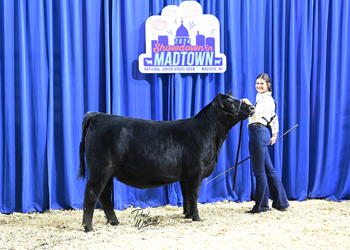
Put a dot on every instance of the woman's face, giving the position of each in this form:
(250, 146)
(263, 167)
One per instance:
(261, 85)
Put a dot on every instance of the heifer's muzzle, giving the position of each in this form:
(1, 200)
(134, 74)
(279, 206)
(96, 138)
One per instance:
(235, 114)
(251, 111)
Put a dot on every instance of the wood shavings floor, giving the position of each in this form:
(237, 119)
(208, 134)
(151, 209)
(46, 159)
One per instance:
(311, 224)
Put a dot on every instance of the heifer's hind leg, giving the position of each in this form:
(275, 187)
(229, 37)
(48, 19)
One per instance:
(186, 204)
(107, 205)
(93, 190)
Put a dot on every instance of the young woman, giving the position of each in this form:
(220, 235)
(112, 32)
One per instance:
(259, 139)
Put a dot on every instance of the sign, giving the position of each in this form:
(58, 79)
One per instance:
(182, 40)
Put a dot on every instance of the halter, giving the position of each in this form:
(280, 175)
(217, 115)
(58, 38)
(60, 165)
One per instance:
(235, 114)
(239, 107)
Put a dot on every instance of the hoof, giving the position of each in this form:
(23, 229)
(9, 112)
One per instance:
(196, 218)
(88, 229)
(114, 223)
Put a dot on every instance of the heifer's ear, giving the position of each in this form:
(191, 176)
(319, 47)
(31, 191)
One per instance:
(229, 93)
(217, 102)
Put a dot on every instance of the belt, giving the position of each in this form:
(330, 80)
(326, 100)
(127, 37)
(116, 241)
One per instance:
(256, 125)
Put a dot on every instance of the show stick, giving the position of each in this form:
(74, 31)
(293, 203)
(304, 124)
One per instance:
(249, 156)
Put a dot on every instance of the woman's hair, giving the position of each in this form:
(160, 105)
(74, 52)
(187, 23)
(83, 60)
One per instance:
(266, 78)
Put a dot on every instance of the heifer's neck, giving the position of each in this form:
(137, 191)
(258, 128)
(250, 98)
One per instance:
(217, 120)
(218, 126)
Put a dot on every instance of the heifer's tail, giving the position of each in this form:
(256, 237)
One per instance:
(86, 123)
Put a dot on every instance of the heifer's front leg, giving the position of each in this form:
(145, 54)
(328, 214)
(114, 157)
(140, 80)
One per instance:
(194, 186)
(93, 190)
(107, 205)
(186, 202)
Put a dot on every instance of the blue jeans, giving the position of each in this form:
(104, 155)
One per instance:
(264, 172)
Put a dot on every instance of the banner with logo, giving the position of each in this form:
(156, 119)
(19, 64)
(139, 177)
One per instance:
(182, 40)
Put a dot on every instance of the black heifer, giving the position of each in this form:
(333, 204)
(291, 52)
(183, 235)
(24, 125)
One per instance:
(149, 154)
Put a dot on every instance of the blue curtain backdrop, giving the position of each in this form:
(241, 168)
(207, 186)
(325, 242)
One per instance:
(62, 58)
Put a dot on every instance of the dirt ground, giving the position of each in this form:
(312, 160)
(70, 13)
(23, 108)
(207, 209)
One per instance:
(311, 224)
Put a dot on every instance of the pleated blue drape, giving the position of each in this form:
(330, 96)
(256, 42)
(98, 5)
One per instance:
(60, 59)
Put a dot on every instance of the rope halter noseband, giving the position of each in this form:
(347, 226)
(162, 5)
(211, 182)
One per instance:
(235, 114)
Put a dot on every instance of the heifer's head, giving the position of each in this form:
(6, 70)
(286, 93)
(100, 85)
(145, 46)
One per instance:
(231, 106)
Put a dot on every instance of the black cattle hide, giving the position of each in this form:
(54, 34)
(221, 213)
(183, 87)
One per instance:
(148, 154)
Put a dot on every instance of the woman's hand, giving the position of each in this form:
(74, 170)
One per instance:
(273, 140)
(245, 100)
